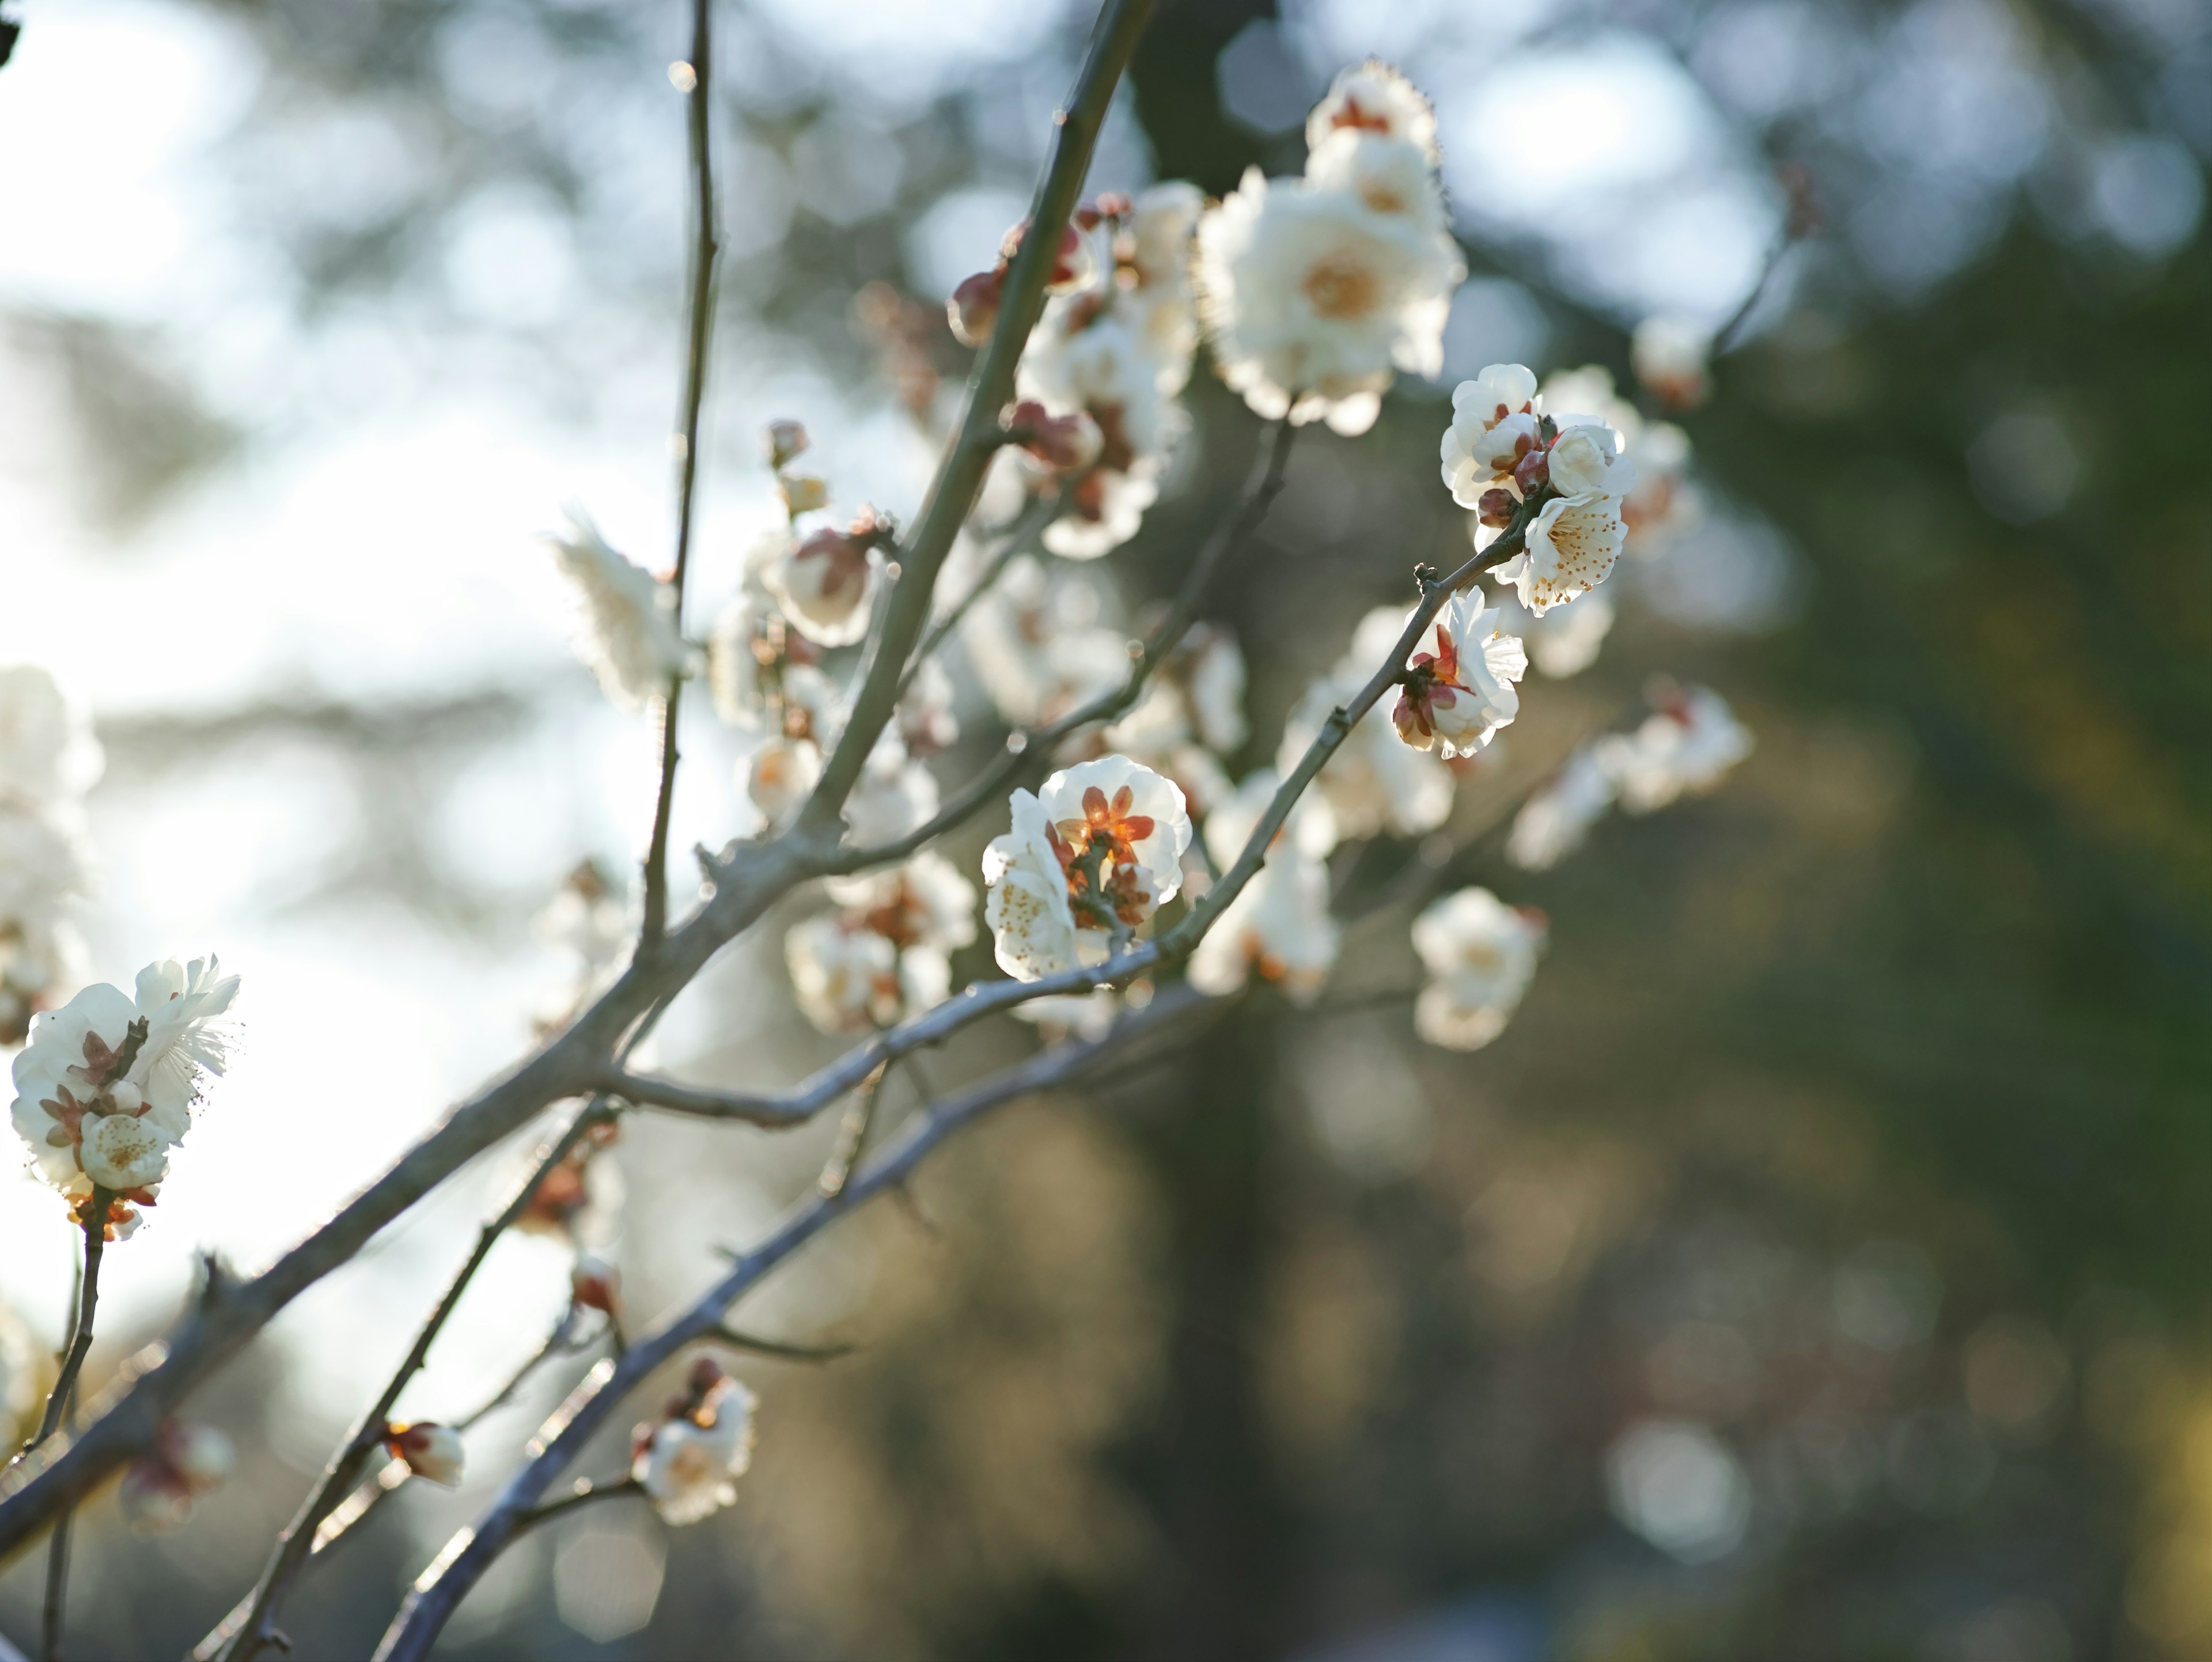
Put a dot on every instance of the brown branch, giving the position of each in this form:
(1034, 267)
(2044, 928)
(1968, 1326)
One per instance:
(60, 1405)
(704, 251)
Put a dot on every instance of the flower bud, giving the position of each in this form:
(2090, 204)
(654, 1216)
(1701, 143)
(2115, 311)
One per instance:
(594, 1284)
(127, 1098)
(782, 441)
(1533, 470)
(1497, 508)
(973, 307)
(802, 493)
(430, 1450)
(1067, 444)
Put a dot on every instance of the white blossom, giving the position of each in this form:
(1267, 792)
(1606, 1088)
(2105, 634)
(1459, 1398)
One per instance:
(1685, 748)
(1125, 824)
(1460, 691)
(628, 631)
(689, 1464)
(849, 978)
(1555, 820)
(431, 1451)
(895, 794)
(921, 901)
(589, 919)
(1025, 900)
(1663, 502)
(1374, 98)
(1671, 356)
(162, 1485)
(1312, 299)
(47, 751)
(1038, 644)
(43, 872)
(1391, 177)
(1155, 261)
(104, 1088)
(1278, 927)
(826, 582)
(1569, 549)
(1480, 954)
(1588, 460)
(1493, 425)
(780, 775)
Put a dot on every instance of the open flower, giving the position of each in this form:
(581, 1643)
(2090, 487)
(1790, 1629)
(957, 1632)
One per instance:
(780, 775)
(185, 1462)
(1373, 98)
(1662, 502)
(1278, 927)
(104, 1088)
(1493, 426)
(850, 979)
(1312, 299)
(1686, 747)
(690, 1459)
(627, 632)
(1480, 955)
(1556, 819)
(921, 902)
(1099, 851)
(1460, 692)
(1570, 549)
(825, 582)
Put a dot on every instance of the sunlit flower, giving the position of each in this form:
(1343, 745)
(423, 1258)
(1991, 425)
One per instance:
(1090, 356)
(1662, 501)
(162, 1486)
(104, 1088)
(1460, 691)
(1556, 819)
(780, 775)
(430, 1450)
(628, 631)
(1480, 954)
(1493, 426)
(825, 582)
(1671, 356)
(1125, 829)
(690, 1459)
(1153, 266)
(1570, 549)
(1312, 299)
(1588, 460)
(1375, 99)
(1278, 927)
(922, 901)
(1038, 644)
(847, 979)
(579, 1200)
(47, 751)
(1391, 177)
(1025, 900)
(1685, 748)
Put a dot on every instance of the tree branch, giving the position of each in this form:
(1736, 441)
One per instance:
(952, 493)
(704, 251)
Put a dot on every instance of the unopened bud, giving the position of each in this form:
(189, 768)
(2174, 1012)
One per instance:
(973, 307)
(1497, 508)
(706, 1374)
(430, 1450)
(595, 1285)
(782, 441)
(127, 1098)
(1533, 470)
(802, 493)
(1069, 444)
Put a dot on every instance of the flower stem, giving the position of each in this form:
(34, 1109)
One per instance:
(60, 1406)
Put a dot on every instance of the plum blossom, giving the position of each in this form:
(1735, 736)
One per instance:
(430, 1450)
(1685, 748)
(1152, 272)
(780, 775)
(895, 794)
(1098, 850)
(588, 920)
(162, 1485)
(579, 1200)
(1556, 818)
(1373, 98)
(104, 1089)
(626, 629)
(1570, 549)
(1480, 955)
(825, 583)
(1278, 927)
(1663, 502)
(1373, 783)
(1038, 644)
(1493, 426)
(1458, 693)
(690, 1459)
(923, 901)
(849, 979)
(1313, 300)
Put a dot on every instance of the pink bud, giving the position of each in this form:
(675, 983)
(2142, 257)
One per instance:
(1497, 508)
(1533, 470)
(973, 307)
(1068, 444)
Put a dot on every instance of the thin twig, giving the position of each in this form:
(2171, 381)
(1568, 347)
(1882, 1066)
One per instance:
(788, 1353)
(701, 311)
(252, 1624)
(1724, 337)
(583, 1494)
(562, 1338)
(852, 1134)
(60, 1406)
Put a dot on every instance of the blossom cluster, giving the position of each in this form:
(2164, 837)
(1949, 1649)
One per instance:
(105, 1089)
(882, 956)
(48, 760)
